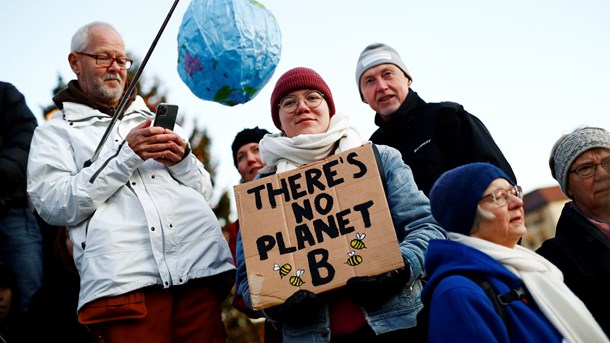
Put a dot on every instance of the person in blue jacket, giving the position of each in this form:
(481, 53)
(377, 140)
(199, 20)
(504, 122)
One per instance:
(482, 210)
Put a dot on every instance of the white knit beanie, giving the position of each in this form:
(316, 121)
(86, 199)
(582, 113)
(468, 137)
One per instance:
(374, 55)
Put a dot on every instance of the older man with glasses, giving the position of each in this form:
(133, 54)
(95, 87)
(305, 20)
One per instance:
(580, 162)
(150, 253)
(107, 61)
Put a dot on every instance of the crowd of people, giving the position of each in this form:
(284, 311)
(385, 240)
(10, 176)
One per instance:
(139, 256)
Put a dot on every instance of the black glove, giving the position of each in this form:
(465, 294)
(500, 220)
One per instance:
(301, 305)
(374, 290)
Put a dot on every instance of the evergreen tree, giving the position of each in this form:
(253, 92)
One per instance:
(49, 110)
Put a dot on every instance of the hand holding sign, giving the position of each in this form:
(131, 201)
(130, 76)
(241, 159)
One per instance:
(373, 290)
(302, 304)
(315, 227)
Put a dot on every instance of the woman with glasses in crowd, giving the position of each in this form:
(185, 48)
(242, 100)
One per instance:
(380, 308)
(580, 162)
(483, 287)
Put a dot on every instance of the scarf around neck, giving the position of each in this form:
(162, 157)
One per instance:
(75, 94)
(282, 153)
(544, 281)
(596, 222)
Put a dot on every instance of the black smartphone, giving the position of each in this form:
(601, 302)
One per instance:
(166, 116)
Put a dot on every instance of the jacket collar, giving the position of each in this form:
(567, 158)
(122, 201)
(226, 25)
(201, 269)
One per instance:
(403, 116)
(76, 95)
(82, 115)
(572, 222)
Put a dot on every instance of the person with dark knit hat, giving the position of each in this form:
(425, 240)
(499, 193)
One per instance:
(481, 207)
(580, 162)
(432, 137)
(379, 308)
(247, 160)
(246, 156)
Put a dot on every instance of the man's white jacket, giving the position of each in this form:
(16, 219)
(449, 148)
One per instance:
(134, 223)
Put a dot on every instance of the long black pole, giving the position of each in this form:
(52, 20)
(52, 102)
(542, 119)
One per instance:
(118, 114)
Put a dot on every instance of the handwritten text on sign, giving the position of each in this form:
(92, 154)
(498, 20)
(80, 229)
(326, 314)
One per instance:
(315, 227)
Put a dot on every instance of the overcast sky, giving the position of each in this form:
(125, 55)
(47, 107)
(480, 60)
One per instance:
(530, 70)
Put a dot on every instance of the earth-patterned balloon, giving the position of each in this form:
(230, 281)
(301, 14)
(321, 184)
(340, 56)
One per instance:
(227, 49)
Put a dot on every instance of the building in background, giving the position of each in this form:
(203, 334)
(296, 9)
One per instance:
(542, 209)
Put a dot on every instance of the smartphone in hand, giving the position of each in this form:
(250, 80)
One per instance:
(166, 116)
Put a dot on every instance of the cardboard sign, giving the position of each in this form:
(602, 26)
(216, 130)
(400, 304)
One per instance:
(316, 227)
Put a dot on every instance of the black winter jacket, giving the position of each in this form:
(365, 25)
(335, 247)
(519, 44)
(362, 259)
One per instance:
(582, 253)
(17, 124)
(436, 137)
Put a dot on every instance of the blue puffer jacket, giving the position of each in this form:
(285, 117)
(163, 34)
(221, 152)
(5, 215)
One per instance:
(460, 311)
(414, 227)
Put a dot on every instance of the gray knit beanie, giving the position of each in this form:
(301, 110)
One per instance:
(569, 146)
(374, 55)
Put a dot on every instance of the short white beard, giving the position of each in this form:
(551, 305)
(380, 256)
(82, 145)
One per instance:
(106, 95)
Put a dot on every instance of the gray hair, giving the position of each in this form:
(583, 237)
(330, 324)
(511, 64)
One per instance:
(480, 216)
(80, 39)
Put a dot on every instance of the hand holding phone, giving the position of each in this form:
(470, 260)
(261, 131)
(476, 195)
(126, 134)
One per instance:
(166, 116)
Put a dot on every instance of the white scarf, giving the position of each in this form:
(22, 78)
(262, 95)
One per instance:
(545, 283)
(281, 153)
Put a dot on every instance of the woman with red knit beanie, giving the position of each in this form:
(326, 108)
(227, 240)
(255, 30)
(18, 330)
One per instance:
(379, 308)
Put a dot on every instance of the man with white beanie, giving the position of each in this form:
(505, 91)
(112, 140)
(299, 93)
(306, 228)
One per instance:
(432, 137)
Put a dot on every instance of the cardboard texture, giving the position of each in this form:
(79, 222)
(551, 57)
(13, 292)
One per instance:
(315, 227)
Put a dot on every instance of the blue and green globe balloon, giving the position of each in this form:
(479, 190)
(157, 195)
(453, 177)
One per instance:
(227, 49)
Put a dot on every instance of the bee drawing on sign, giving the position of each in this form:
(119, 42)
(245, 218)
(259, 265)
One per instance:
(296, 280)
(357, 243)
(353, 259)
(283, 270)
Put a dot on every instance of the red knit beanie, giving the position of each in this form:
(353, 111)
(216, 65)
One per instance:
(294, 80)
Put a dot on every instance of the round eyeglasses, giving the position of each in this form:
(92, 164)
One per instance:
(312, 99)
(500, 195)
(106, 61)
(585, 171)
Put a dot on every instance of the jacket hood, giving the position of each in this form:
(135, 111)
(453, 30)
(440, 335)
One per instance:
(446, 257)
